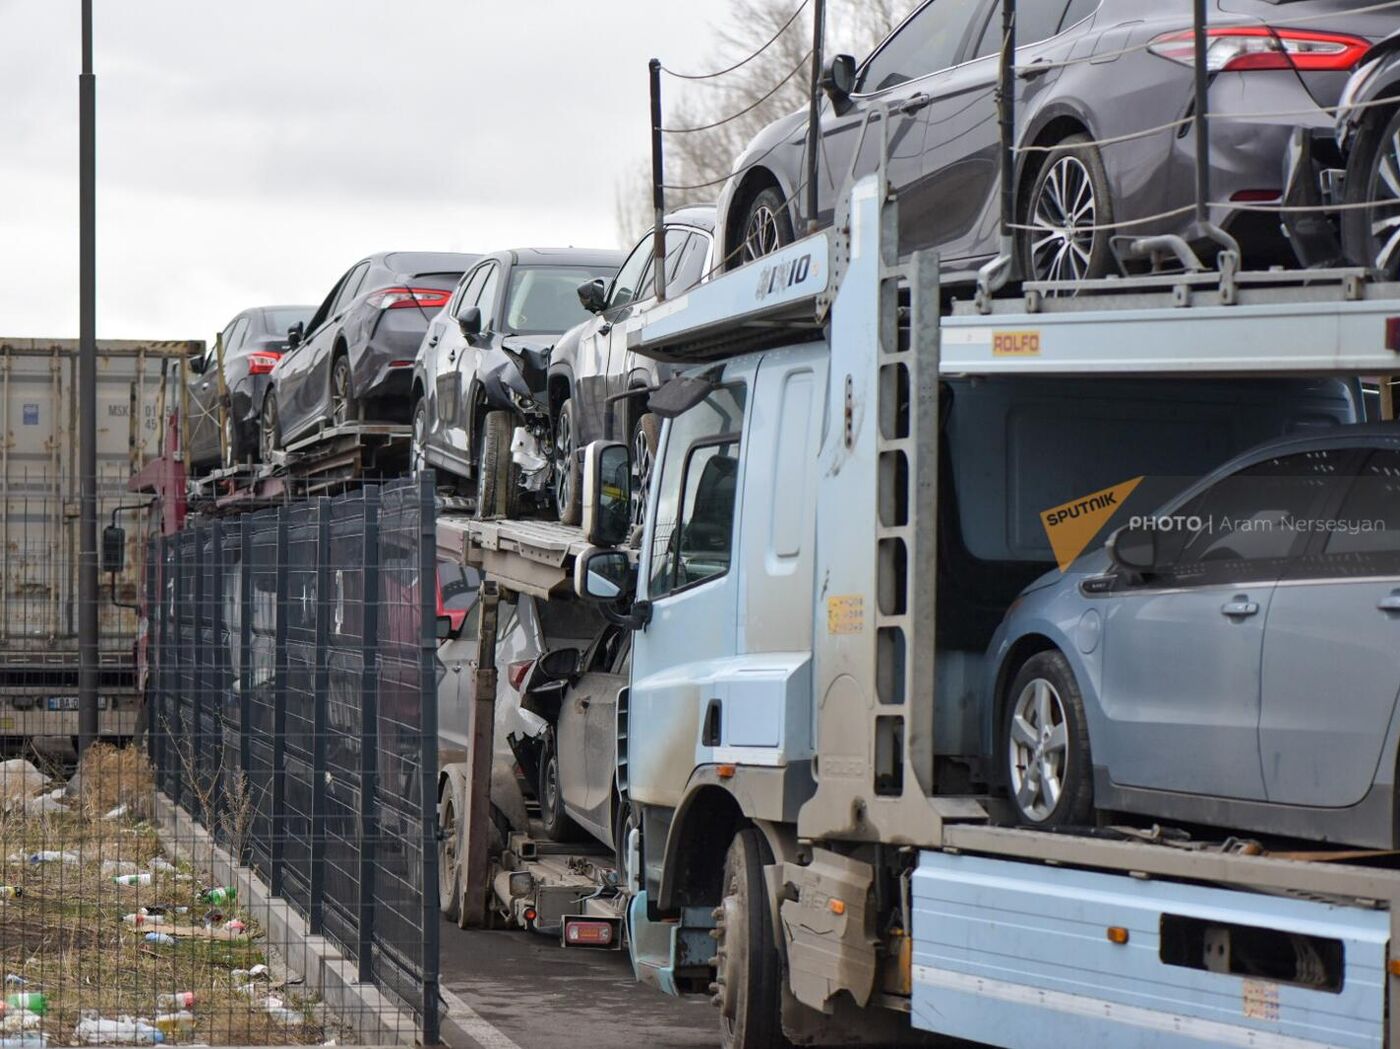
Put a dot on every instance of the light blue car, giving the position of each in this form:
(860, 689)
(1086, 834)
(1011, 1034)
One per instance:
(1232, 660)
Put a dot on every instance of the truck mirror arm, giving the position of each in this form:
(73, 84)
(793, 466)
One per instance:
(618, 613)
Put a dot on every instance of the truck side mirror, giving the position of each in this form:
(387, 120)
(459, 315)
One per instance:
(607, 493)
(113, 548)
(604, 575)
(1134, 549)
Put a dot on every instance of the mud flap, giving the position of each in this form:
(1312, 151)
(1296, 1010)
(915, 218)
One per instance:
(828, 930)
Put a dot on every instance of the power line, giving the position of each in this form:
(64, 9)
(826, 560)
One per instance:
(738, 65)
(747, 109)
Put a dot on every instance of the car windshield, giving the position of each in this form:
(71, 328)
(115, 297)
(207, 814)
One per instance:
(278, 321)
(545, 298)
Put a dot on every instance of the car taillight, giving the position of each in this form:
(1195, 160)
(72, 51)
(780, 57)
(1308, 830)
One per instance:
(517, 672)
(262, 362)
(401, 298)
(1240, 49)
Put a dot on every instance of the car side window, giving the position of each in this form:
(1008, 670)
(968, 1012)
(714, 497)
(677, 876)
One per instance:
(470, 289)
(1036, 20)
(693, 530)
(628, 282)
(486, 298)
(690, 264)
(929, 40)
(1245, 527)
(1077, 11)
(236, 337)
(1364, 538)
(349, 289)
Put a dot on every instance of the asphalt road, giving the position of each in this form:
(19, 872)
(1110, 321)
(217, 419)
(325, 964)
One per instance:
(525, 992)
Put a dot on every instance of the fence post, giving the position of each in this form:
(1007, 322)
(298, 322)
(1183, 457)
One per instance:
(198, 681)
(369, 732)
(217, 659)
(428, 738)
(151, 687)
(175, 715)
(316, 846)
(277, 820)
(245, 665)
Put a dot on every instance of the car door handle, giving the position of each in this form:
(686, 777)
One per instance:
(1038, 68)
(1240, 606)
(1391, 603)
(583, 704)
(915, 103)
(434, 341)
(604, 328)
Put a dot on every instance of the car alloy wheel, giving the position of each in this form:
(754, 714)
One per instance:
(761, 235)
(1039, 749)
(417, 454)
(342, 402)
(644, 438)
(1063, 217)
(1384, 189)
(564, 466)
(267, 431)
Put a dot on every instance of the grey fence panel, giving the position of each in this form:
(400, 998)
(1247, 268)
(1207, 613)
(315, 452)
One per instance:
(293, 710)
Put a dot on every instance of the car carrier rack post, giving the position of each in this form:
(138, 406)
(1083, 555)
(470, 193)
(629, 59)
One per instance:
(898, 890)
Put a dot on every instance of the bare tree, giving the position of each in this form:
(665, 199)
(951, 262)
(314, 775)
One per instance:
(727, 111)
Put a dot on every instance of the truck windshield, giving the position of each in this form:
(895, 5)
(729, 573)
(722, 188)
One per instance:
(693, 534)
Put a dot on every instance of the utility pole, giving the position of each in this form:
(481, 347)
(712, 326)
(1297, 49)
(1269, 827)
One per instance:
(814, 110)
(87, 393)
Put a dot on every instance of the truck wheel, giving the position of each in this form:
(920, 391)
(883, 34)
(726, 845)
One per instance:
(496, 475)
(557, 825)
(748, 988)
(449, 869)
(1048, 763)
(568, 475)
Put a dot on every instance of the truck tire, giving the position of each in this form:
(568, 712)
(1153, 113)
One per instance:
(748, 970)
(1046, 741)
(497, 484)
(449, 866)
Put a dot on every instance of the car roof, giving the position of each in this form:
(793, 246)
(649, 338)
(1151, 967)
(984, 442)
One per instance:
(559, 256)
(424, 261)
(701, 216)
(288, 306)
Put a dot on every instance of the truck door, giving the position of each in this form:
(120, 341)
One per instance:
(685, 573)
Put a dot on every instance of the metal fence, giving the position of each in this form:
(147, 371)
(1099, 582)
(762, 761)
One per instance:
(294, 713)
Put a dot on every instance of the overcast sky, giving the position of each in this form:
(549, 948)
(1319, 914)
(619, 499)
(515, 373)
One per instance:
(249, 152)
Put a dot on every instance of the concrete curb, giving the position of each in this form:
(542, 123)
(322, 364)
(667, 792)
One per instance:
(329, 975)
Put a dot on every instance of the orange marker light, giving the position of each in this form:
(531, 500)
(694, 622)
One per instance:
(1117, 934)
(725, 771)
(1393, 967)
(837, 906)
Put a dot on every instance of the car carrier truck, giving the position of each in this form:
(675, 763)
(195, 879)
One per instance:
(815, 841)
(39, 530)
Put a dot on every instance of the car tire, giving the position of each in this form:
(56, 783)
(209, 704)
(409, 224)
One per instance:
(1045, 737)
(1071, 183)
(233, 447)
(646, 436)
(344, 408)
(417, 455)
(1368, 237)
(449, 859)
(269, 429)
(624, 822)
(748, 969)
(767, 226)
(557, 825)
(497, 480)
(568, 474)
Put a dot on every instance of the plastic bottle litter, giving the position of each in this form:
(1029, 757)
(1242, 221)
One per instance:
(14, 980)
(235, 925)
(160, 863)
(10, 892)
(143, 917)
(122, 1031)
(176, 1022)
(50, 856)
(277, 1009)
(223, 894)
(143, 878)
(114, 867)
(116, 813)
(33, 1001)
(20, 1020)
(173, 1002)
(162, 938)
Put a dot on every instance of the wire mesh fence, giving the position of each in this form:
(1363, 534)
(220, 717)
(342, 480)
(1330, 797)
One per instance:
(178, 891)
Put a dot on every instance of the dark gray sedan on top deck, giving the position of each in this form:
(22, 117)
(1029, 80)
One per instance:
(354, 359)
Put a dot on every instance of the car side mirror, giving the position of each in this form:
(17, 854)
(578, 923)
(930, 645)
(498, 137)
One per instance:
(839, 80)
(607, 493)
(295, 334)
(1135, 549)
(469, 321)
(593, 294)
(113, 548)
(606, 575)
(561, 664)
(446, 628)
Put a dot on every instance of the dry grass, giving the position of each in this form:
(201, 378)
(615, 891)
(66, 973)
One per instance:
(64, 936)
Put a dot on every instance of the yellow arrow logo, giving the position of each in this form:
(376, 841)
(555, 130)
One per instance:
(1072, 526)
